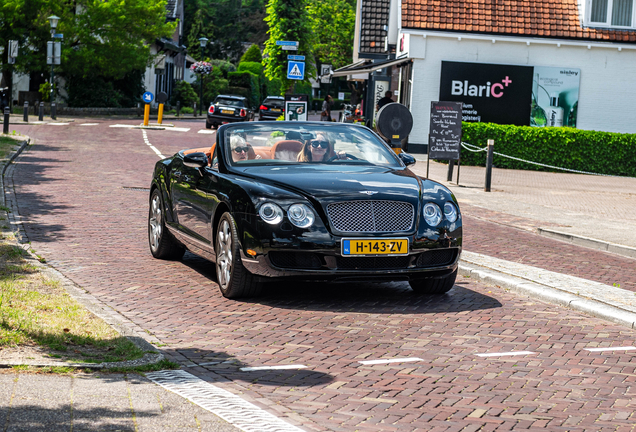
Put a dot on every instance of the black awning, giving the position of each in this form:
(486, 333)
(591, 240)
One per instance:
(366, 66)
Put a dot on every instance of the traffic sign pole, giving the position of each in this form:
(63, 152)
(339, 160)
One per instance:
(146, 114)
(147, 97)
(160, 114)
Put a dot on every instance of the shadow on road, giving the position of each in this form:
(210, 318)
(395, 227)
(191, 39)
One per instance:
(387, 297)
(220, 367)
(384, 298)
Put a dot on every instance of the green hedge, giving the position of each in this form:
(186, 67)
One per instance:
(254, 67)
(249, 81)
(564, 147)
(273, 88)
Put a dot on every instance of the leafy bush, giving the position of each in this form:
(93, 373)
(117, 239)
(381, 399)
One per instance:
(224, 66)
(97, 91)
(250, 82)
(253, 54)
(239, 91)
(591, 151)
(273, 88)
(255, 67)
(184, 93)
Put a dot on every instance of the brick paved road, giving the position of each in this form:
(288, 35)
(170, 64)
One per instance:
(70, 189)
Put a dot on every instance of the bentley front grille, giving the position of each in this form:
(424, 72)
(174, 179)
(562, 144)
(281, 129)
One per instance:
(371, 216)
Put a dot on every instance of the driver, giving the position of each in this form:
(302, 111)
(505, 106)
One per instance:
(318, 149)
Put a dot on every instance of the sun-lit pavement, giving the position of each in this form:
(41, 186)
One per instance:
(80, 193)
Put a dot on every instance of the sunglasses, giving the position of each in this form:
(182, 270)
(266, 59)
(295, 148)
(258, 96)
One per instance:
(323, 144)
(242, 149)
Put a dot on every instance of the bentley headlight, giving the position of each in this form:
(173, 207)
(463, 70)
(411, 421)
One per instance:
(301, 215)
(432, 214)
(450, 212)
(271, 213)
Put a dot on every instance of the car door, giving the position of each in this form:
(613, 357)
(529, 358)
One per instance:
(190, 200)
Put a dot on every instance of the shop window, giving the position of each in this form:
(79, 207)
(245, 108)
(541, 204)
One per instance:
(612, 13)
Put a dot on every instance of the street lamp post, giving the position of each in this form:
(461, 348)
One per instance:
(203, 41)
(53, 20)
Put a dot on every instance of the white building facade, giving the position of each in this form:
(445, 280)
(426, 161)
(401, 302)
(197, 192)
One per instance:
(606, 91)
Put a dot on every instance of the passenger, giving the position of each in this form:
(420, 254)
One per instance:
(240, 149)
(318, 149)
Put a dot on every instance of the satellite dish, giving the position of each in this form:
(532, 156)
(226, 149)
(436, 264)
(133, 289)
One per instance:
(394, 123)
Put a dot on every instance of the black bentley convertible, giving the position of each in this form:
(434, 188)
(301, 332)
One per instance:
(304, 200)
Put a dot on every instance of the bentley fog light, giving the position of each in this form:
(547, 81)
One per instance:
(450, 212)
(432, 214)
(271, 213)
(300, 215)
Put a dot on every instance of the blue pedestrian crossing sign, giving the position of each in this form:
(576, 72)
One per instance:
(147, 97)
(295, 70)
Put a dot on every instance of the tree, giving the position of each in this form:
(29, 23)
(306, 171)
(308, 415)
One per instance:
(198, 30)
(333, 23)
(288, 20)
(105, 39)
(253, 54)
(111, 37)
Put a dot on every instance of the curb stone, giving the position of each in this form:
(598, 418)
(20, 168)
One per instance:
(115, 320)
(588, 242)
(549, 294)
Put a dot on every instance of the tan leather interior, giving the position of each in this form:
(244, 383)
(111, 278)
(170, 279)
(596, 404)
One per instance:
(283, 150)
(286, 150)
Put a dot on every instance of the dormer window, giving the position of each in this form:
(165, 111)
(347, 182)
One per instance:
(611, 13)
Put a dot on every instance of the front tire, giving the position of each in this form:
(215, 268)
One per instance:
(233, 279)
(162, 244)
(434, 286)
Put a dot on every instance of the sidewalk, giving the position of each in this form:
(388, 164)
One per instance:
(591, 211)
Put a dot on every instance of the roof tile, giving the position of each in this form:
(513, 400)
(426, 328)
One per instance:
(545, 18)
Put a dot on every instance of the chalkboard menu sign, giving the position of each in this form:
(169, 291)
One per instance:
(444, 140)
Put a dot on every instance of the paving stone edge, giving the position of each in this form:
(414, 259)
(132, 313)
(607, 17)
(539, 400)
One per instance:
(549, 294)
(114, 319)
(588, 242)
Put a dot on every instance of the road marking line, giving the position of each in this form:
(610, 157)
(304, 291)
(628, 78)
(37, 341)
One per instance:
(153, 148)
(58, 124)
(625, 348)
(177, 129)
(384, 361)
(511, 353)
(205, 131)
(89, 124)
(224, 404)
(257, 368)
(122, 126)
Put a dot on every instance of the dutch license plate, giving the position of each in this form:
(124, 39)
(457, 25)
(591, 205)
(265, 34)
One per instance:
(276, 109)
(227, 111)
(384, 246)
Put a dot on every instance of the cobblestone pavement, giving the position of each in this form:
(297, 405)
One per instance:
(79, 193)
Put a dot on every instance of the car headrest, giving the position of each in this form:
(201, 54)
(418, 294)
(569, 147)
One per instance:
(287, 150)
(293, 135)
(251, 154)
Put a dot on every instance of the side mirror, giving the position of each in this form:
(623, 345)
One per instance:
(195, 160)
(407, 159)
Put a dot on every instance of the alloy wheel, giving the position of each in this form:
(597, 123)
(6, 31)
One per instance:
(224, 259)
(154, 222)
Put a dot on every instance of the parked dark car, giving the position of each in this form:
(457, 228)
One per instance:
(271, 108)
(228, 109)
(262, 203)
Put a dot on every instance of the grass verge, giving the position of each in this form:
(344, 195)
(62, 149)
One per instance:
(37, 316)
(6, 145)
